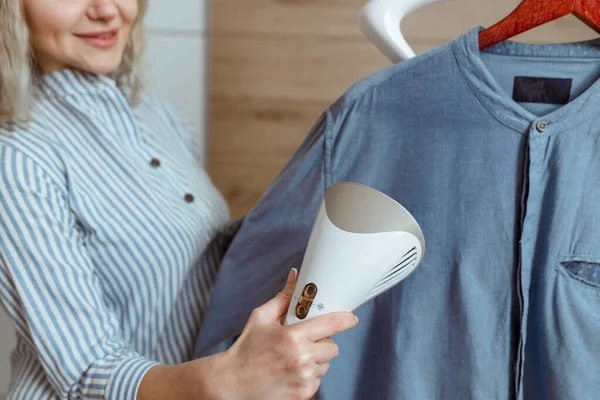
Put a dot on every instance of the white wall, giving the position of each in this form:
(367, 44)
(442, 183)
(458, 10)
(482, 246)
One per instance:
(176, 70)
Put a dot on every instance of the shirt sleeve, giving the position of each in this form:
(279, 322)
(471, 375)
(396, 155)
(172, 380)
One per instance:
(49, 286)
(271, 241)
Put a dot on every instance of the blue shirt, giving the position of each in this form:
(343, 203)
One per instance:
(104, 214)
(507, 301)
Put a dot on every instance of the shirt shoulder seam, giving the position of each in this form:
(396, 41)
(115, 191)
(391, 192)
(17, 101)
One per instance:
(47, 174)
(401, 69)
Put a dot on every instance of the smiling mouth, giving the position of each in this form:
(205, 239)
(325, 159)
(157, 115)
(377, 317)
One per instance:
(102, 40)
(107, 35)
(102, 36)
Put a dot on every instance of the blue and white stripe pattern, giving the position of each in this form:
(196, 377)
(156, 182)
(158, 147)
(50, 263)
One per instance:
(99, 244)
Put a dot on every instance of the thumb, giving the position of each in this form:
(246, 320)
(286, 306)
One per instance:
(277, 306)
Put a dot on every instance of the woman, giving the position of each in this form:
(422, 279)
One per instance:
(104, 211)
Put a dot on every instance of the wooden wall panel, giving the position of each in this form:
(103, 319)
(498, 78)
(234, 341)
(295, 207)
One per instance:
(276, 64)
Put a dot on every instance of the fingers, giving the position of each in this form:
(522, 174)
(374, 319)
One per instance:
(316, 388)
(326, 325)
(288, 290)
(325, 350)
(272, 310)
(321, 370)
(309, 380)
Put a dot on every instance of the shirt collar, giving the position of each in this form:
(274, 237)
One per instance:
(66, 82)
(90, 93)
(501, 105)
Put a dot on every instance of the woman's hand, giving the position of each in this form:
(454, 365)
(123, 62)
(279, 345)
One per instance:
(268, 361)
(271, 361)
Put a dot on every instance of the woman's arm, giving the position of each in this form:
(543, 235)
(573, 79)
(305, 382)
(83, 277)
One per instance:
(50, 288)
(268, 361)
(183, 381)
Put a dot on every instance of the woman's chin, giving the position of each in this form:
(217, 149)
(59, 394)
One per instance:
(102, 69)
(101, 66)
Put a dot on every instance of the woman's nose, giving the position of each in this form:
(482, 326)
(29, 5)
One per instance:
(103, 10)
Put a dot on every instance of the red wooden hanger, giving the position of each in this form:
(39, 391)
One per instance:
(532, 13)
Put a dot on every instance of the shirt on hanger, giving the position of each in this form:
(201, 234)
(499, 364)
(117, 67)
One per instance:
(504, 179)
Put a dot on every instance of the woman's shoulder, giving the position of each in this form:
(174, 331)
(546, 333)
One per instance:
(29, 142)
(157, 107)
(167, 114)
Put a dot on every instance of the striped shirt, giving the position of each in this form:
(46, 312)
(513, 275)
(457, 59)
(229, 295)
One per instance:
(104, 214)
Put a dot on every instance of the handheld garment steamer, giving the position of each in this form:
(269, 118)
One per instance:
(362, 244)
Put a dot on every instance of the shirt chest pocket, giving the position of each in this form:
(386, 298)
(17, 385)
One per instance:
(563, 331)
(575, 293)
(582, 270)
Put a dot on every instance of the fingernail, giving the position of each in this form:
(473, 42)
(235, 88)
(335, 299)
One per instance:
(292, 275)
(356, 319)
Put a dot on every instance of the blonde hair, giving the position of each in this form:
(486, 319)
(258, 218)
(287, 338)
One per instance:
(17, 64)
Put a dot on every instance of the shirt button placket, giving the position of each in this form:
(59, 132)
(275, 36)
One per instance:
(531, 218)
(189, 198)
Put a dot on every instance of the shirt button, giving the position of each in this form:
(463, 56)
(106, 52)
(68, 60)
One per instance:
(155, 162)
(541, 126)
(189, 198)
